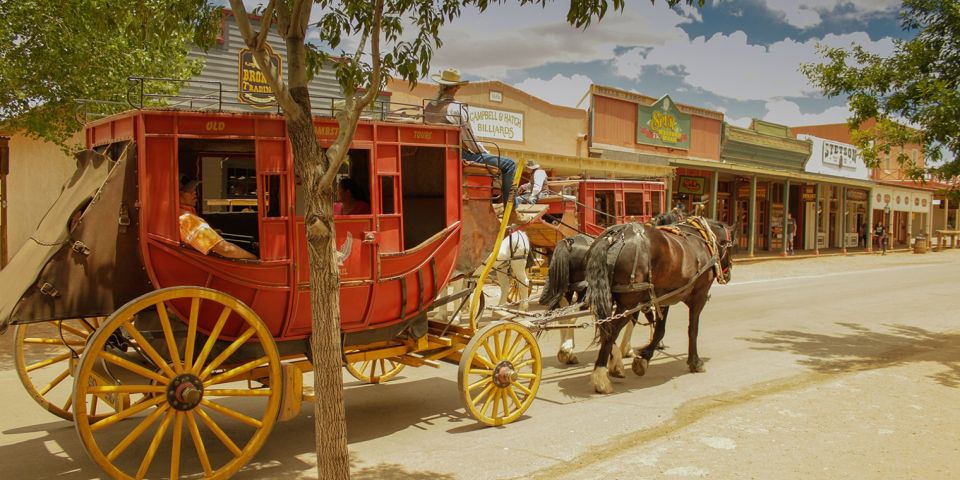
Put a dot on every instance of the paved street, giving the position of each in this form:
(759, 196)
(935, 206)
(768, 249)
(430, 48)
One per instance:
(838, 367)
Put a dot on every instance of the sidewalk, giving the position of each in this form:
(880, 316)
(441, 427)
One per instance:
(802, 254)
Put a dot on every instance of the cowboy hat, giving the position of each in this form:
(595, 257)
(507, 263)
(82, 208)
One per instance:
(532, 165)
(450, 76)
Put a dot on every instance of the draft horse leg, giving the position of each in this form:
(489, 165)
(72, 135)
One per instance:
(641, 363)
(608, 358)
(565, 355)
(693, 358)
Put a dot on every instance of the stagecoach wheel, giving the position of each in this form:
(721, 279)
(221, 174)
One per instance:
(499, 373)
(183, 386)
(514, 295)
(45, 354)
(375, 371)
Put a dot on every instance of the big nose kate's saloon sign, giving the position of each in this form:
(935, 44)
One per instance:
(661, 124)
(252, 86)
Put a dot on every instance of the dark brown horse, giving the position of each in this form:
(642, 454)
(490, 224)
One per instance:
(567, 276)
(632, 265)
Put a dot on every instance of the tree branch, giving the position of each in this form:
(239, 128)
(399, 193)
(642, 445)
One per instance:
(266, 65)
(353, 107)
(265, 23)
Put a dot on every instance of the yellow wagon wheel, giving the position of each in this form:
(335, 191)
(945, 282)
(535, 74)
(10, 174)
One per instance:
(45, 354)
(499, 373)
(375, 371)
(186, 385)
(515, 286)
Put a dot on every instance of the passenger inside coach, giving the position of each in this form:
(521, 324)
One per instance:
(197, 233)
(350, 199)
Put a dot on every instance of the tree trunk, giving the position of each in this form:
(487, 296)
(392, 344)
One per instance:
(333, 460)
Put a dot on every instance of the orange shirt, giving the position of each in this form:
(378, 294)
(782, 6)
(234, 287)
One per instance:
(197, 233)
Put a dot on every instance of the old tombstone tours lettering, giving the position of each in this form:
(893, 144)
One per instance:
(496, 124)
(252, 86)
(662, 124)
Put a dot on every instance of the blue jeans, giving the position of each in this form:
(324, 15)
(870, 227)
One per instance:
(508, 168)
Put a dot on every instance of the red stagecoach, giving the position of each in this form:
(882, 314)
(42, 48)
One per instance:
(591, 205)
(193, 358)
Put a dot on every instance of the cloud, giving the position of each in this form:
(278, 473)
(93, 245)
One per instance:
(786, 112)
(512, 37)
(559, 90)
(811, 13)
(729, 66)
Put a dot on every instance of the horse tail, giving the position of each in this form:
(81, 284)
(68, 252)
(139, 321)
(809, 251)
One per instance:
(558, 277)
(598, 276)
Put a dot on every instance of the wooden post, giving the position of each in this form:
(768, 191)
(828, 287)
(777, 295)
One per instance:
(816, 215)
(713, 194)
(786, 214)
(4, 170)
(753, 216)
(868, 235)
(843, 220)
(669, 193)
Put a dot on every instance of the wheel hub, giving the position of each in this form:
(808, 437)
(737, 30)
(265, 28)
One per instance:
(504, 374)
(185, 392)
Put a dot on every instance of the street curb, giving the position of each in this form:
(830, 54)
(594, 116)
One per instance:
(747, 260)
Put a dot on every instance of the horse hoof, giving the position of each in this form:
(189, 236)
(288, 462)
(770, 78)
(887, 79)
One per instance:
(616, 370)
(600, 382)
(640, 365)
(697, 367)
(567, 358)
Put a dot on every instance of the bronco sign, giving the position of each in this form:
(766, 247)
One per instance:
(252, 86)
(661, 124)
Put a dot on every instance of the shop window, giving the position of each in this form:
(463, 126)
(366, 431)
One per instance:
(634, 203)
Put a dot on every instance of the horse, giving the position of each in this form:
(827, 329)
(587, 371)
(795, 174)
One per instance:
(566, 278)
(675, 215)
(657, 268)
(515, 251)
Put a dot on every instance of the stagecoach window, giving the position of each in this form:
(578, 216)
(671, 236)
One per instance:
(273, 196)
(656, 200)
(387, 195)
(603, 204)
(423, 176)
(634, 203)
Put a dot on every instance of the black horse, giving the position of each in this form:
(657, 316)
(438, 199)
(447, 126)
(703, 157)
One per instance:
(675, 215)
(567, 277)
(675, 264)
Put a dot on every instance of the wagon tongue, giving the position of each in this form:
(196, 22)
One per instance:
(21, 274)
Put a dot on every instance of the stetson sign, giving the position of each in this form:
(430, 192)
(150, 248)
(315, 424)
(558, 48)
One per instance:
(252, 86)
(661, 124)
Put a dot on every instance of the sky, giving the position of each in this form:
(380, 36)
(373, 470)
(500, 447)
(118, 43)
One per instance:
(739, 57)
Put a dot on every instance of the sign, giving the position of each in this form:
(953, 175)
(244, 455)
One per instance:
(809, 193)
(857, 195)
(744, 191)
(661, 124)
(252, 86)
(496, 124)
(691, 185)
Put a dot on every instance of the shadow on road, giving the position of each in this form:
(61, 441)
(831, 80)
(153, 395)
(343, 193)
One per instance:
(864, 349)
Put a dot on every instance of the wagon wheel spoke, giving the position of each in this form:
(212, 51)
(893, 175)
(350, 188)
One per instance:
(147, 348)
(127, 412)
(136, 432)
(49, 361)
(198, 444)
(224, 355)
(218, 432)
(132, 367)
(73, 330)
(56, 381)
(168, 337)
(214, 335)
(192, 322)
(253, 422)
(236, 392)
(154, 445)
(175, 445)
(236, 372)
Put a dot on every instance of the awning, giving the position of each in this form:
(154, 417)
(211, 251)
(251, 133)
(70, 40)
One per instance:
(735, 168)
(600, 166)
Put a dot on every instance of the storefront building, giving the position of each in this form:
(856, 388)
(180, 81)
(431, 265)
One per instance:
(680, 139)
(904, 206)
(846, 212)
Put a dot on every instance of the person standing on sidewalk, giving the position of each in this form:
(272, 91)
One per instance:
(791, 232)
(881, 234)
